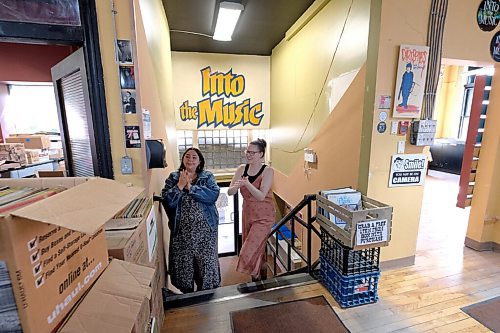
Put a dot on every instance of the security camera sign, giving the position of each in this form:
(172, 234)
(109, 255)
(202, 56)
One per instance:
(407, 170)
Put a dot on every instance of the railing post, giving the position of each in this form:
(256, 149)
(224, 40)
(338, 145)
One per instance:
(309, 230)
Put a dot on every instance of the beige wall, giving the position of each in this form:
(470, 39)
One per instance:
(155, 84)
(113, 91)
(309, 75)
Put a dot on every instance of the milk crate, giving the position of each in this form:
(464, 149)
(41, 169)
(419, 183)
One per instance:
(367, 227)
(349, 291)
(346, 260)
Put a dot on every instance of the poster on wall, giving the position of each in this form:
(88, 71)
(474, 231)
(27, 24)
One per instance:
(410, 81)
(407, 170)
(124, 50)
(221, 91)
(488, 14)
(127, 77)
(128, 101)
(132, 137)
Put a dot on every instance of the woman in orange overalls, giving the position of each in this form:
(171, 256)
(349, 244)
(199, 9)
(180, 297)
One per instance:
(254, 180)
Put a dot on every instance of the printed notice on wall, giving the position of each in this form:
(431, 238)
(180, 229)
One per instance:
(370, 232)
(132, 137)
(407, 170)
(152, 233)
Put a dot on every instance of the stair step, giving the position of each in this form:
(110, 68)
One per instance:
(171, 300)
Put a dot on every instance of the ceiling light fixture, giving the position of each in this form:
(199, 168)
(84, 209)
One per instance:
(229, 12)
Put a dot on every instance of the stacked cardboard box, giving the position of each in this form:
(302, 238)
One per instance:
(118, 302)
(136, 236)
(32, 155)
(13, 152)
(30, 141)
(55, 249)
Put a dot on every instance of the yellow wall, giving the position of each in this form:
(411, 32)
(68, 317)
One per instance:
(309, 74)
(113, 91)
(449, 102)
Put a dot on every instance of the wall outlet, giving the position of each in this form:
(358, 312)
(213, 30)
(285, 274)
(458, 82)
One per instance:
(401, 147)
(126, 165)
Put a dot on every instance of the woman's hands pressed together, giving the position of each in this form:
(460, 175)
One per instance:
(184, 180)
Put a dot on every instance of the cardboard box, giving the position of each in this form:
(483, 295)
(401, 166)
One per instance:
(143, 245)
(134, 239)
(55, 249)
(32, 155)
(13, 152)
(117, 303)
(30, 141)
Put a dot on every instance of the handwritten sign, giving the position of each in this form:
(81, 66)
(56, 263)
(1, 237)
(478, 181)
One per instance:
(370, 232)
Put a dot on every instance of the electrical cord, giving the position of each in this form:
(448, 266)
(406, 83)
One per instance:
(296, 150)
(191, 33)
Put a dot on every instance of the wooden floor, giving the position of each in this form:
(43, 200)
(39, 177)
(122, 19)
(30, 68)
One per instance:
(425, 297)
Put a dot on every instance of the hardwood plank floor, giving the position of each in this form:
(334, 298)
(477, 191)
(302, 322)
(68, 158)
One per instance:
(425, 297)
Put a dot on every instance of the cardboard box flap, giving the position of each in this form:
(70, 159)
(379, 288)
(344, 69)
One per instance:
(114, 302)
(83, 208)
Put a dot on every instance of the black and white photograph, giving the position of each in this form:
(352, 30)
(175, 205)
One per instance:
(127, 77)
(128, 101)
(124, 50)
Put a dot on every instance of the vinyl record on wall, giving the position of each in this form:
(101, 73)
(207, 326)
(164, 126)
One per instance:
(488, 14)
(495, 47)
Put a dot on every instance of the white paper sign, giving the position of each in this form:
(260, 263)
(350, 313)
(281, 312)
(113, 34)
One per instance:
(407, 170)
(370, 232)
(152, 233)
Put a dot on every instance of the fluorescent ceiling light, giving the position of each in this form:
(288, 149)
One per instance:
(229, 12)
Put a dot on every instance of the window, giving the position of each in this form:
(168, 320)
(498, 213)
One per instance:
(222, 149)
(30, 109)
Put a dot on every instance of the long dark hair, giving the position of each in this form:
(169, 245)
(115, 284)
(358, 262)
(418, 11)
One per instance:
(200, 167)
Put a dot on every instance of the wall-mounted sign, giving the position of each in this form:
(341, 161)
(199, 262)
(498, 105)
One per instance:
(495, 47)
(381, 127)
(410, 81)
(488, 14)
(382, 116)
(216, 91)
(407, 170)
(384, 102)
(132, 137)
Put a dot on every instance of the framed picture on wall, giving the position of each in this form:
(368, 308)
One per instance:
(410, 81)
(129, 101)
(124, 49)
(127, 77)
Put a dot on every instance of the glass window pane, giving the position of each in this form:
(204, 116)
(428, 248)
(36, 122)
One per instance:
(60, 12)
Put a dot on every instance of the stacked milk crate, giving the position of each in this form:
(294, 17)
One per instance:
(353, 228)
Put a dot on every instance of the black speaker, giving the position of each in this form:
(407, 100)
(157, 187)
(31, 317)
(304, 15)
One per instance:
(155, 154)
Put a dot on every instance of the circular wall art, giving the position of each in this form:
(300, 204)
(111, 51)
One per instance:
(488, 14)
(381, 127)
(495, 47)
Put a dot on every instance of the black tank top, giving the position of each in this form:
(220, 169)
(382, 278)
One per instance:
(251, 179)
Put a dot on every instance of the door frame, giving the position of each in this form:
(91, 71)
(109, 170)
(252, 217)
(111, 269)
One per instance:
(86, 36)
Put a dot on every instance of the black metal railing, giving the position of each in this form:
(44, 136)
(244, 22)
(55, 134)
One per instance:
(273, 245)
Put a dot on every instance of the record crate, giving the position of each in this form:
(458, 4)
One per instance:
(367, 227)
(346, 260)
(351, 290)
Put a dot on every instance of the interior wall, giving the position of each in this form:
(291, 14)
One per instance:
(310, 73)
(124, 30)
(4, 93)
(449, 102)
(30, 62)
(150, 95)
(405, 22)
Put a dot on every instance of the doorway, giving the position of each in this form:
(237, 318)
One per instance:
(443, 225)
